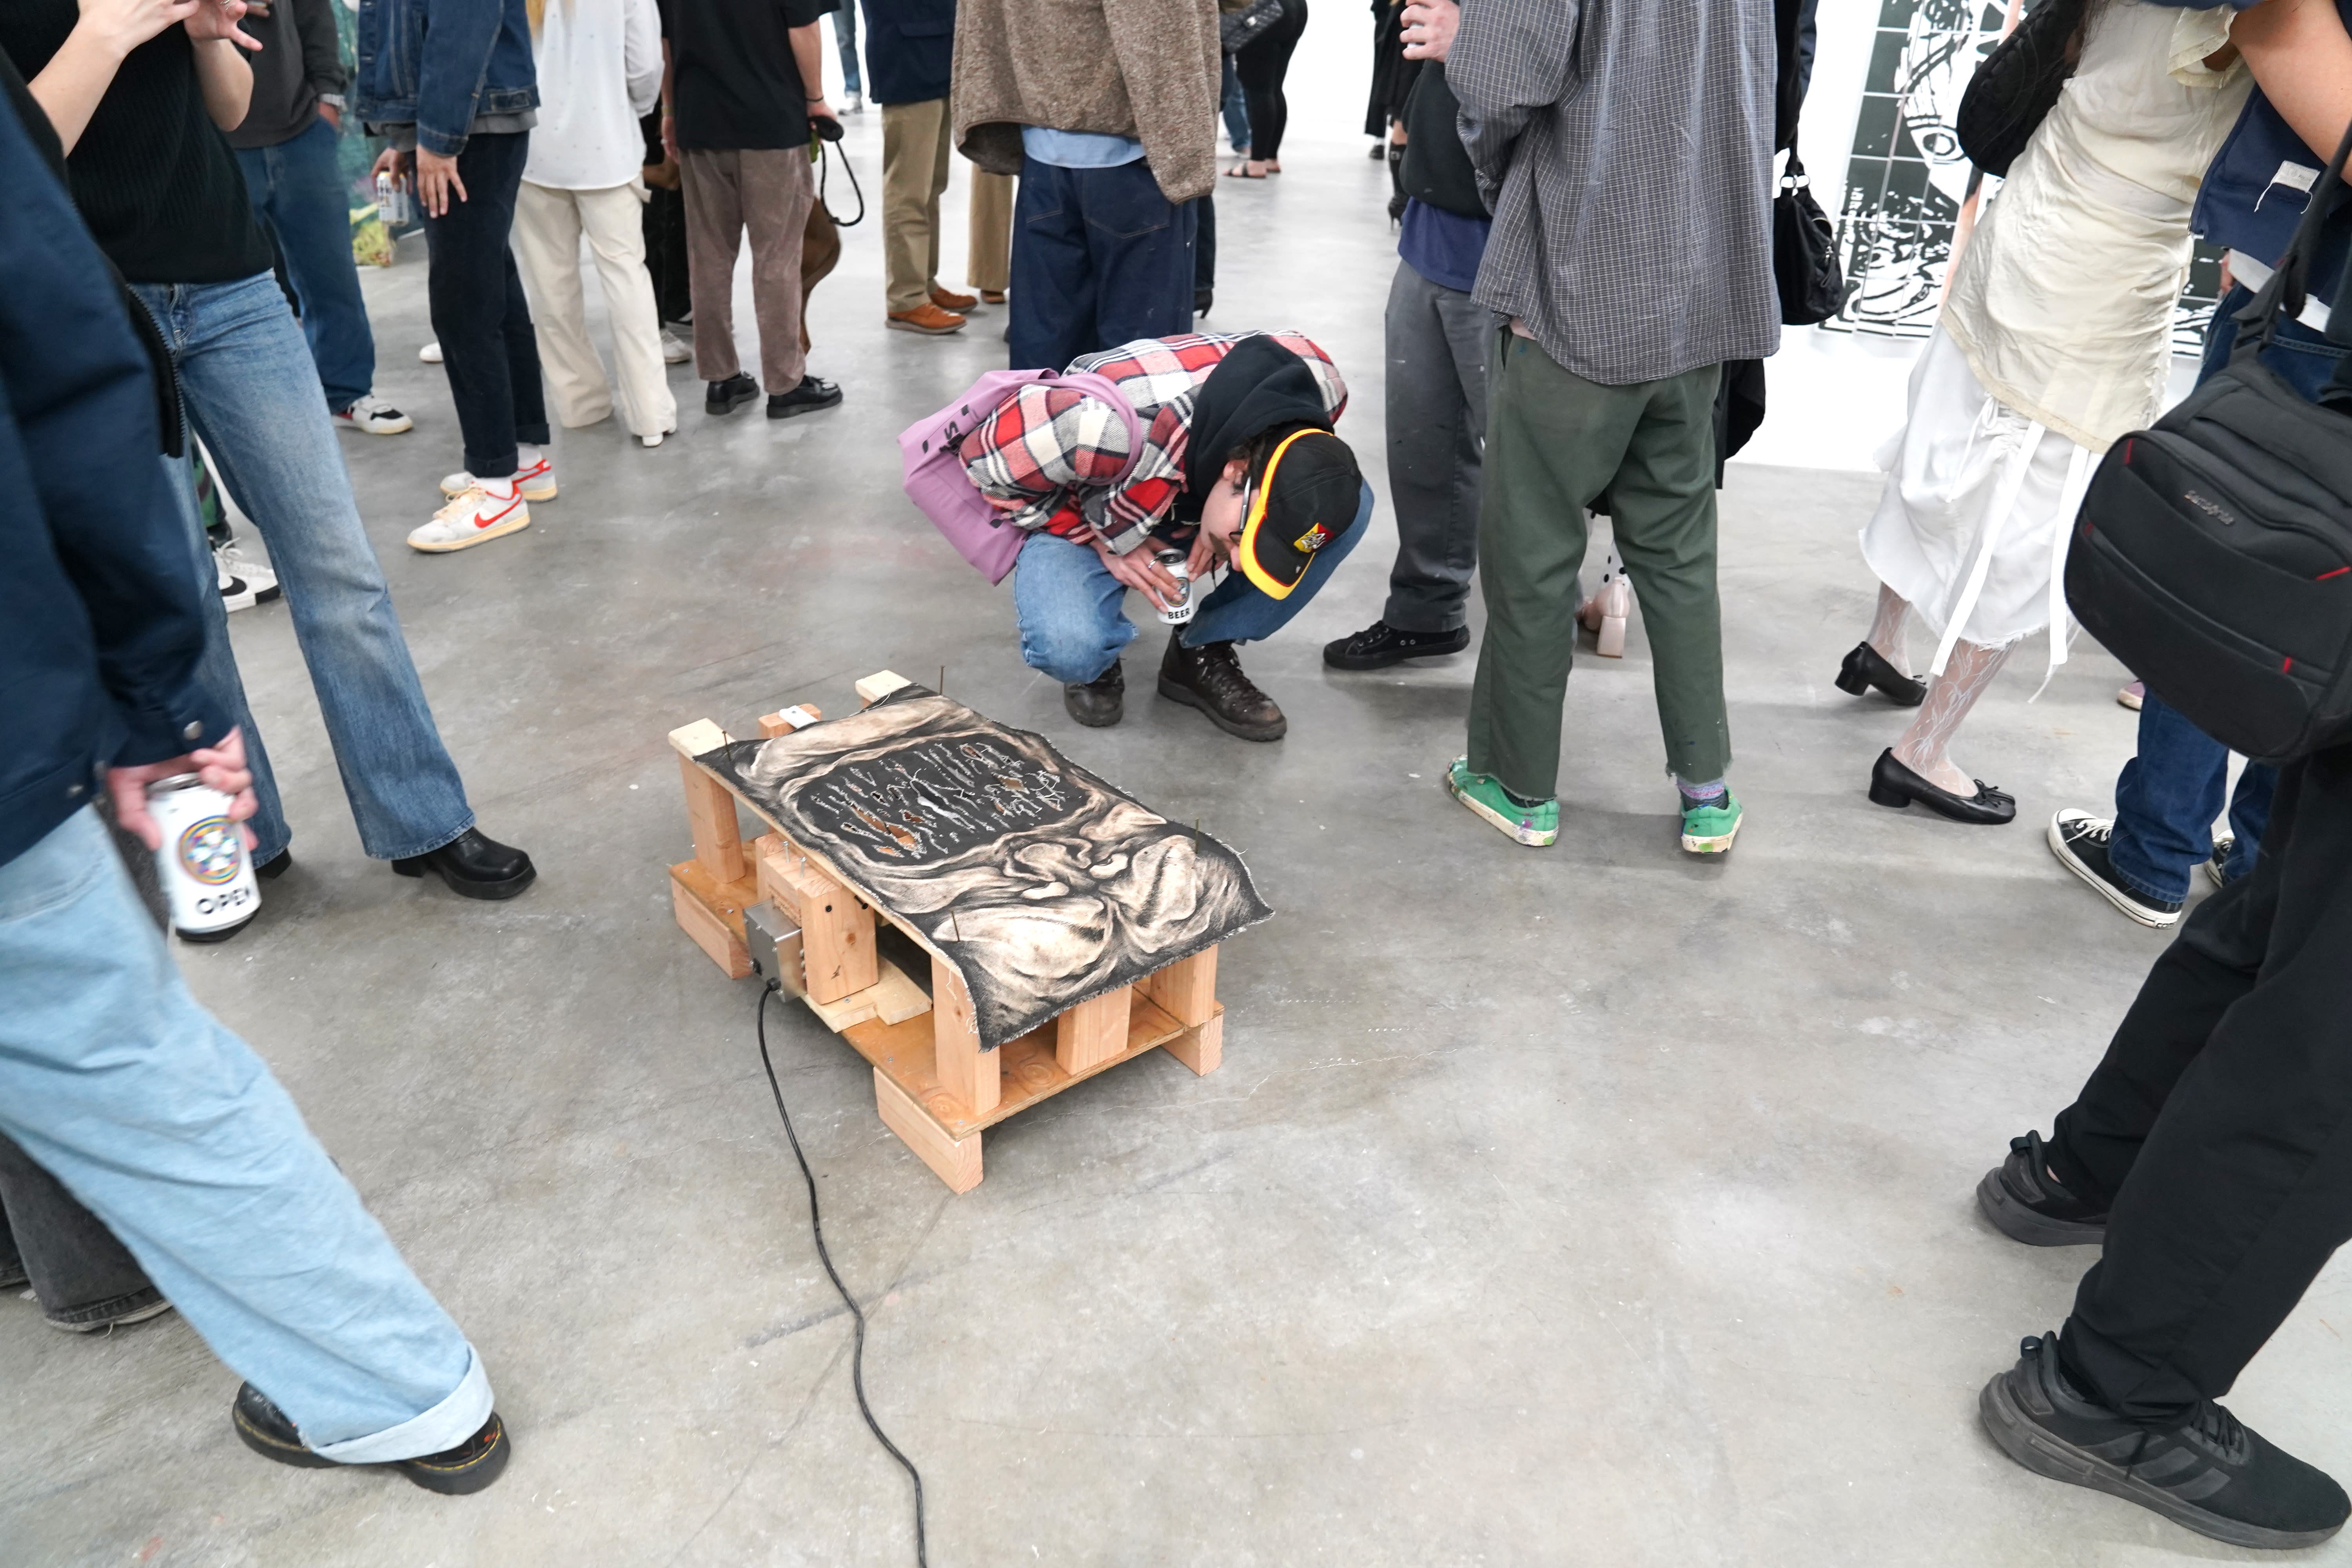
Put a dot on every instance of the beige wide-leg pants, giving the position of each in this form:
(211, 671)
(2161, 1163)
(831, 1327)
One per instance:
(547, 228)
(989, 264)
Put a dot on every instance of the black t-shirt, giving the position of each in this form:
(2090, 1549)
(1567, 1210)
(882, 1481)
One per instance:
(734, 81)
(152, 175)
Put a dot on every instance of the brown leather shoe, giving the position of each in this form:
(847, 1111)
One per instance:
(948, 299)
(992, 295)
(926, 318)
(1210, 678)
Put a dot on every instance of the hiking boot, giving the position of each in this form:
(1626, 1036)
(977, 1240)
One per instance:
(2081, 841)
(726, 396)
(2026, 1202)
(1210, 678)
(1380, 645)
(1535, 824)
(1098, 703)
(2207, 1470)
(453, 1472)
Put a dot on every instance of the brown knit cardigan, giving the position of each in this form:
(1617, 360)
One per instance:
(1145, 69)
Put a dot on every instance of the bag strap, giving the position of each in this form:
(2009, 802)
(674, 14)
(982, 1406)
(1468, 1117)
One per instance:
(1103, 389)
(2283, 297)
(1793, 174)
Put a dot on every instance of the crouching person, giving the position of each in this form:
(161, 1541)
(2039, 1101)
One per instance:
(1237, 469)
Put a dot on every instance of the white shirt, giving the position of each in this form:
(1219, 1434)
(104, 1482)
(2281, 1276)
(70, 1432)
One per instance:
(600, 69)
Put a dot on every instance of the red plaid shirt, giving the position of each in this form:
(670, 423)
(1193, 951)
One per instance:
(1055, 452)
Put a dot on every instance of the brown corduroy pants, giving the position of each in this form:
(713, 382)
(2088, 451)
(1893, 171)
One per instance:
(768, 192)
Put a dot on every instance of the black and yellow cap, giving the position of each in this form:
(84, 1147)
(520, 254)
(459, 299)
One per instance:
(1306, 494)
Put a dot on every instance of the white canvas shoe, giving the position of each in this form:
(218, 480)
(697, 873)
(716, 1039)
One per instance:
(374, 416)
(431, 353)
(474, 518)
(538, 481)
(673, 352)
(243, 581)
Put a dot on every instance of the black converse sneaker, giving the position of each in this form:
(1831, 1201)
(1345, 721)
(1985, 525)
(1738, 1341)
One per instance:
(2026, 1203)
(1380, 645)
(2080, 842)
(2207, 1470)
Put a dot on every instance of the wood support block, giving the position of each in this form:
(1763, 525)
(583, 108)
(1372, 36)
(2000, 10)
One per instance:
(1094, 1031)
(893, 999)
(1203, 1047)
(1187, 989)
(836, 935)
(710, 810)
(878, 685)
(784, 721)
(697, 739)
(955, 1161)
(963, 1070)
(712, 934)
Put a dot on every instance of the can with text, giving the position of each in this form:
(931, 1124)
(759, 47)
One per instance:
(206, 874)
(1177, 565)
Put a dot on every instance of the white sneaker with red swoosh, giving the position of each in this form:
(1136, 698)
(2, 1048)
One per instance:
(536, 478)
(484, 512)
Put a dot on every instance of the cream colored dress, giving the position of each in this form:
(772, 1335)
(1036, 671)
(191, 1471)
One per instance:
(2056, 338)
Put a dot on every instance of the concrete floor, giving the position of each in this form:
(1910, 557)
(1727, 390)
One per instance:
(1590, 1207)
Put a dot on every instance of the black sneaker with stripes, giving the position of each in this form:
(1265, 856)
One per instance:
(2208, 1471)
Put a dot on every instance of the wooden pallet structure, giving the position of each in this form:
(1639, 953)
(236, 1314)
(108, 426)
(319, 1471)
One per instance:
(934, 1086)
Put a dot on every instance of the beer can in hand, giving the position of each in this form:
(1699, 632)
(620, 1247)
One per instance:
(1179, 565)
(208, 876)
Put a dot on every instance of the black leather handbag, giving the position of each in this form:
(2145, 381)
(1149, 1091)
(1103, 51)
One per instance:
(1804, 251)
(1236, 30)
(2213, 551)
(2018, 85)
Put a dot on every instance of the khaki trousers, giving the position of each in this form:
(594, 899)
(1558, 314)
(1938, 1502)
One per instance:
(768, 191)
(989, 259)
(547, 229)
(914, 176)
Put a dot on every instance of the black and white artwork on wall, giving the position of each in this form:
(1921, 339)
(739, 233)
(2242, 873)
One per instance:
(1042, 883)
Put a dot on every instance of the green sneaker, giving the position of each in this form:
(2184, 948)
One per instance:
(1708, 829)
(1534, 825)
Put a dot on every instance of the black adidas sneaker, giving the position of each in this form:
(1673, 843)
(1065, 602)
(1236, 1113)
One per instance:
(2209, 1472)
(2024, 1201)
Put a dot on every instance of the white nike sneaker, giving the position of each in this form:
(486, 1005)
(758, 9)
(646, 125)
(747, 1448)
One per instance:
(243, 581)
(538, 481)
(673, 352)
(477, 517)
(431, 353)
(374, 416)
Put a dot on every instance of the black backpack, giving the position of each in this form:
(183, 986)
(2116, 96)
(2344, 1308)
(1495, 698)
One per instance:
(2213, 553)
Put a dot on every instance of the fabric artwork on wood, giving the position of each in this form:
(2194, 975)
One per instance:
(1043, 884)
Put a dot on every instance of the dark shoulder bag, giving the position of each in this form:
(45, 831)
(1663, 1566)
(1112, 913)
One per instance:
(1804, 251)
(2018, 85)
(1437, 168)
(2213, 552)
(1237, 30)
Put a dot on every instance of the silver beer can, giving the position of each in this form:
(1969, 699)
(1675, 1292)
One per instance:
(1178, 565)
(206, 874)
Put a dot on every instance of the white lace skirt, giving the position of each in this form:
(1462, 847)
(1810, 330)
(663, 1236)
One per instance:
(1972, 528)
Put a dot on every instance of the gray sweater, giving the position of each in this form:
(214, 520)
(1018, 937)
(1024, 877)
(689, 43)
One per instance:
(299, 62)
(1625, 147)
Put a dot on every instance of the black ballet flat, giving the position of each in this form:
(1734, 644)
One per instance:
(1863, 669)
(1892, 784)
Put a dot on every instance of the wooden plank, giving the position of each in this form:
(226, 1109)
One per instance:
(784, 721)
(964, 1070)
(955, 1161)
(878, 685)
(893, 998)
(725, 945)
(1094, 1031)
(711, 811)
(836, 936)
(695, 739)
(1026, 1070)
(1202, 1047)
(1187, 989)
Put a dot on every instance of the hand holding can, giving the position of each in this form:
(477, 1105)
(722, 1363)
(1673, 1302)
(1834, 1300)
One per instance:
(1177, 565)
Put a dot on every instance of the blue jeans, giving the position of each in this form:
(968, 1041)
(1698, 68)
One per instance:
(1234, 104)
(1073, 611)
(246, 379)
(1099, 258)
(2169, 793)
(844, 38)
(174, 1132)
(298, 191)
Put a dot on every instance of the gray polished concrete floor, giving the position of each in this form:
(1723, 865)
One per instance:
(1590, 1207)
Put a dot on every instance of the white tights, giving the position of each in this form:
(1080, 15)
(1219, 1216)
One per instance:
(1967, 673)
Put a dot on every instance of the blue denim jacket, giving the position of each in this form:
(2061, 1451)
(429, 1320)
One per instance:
(438, 63)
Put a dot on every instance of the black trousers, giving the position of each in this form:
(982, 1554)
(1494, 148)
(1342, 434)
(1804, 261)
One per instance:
(1262, 67)
(2219, 1121)
(487, 346)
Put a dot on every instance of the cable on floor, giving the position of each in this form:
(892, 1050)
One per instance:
(858, 1315)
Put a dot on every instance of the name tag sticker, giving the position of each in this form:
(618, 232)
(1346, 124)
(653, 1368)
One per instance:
(2295, 177)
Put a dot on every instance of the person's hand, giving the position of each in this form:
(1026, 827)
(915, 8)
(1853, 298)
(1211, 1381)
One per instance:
(820, 110)
(1429, 28)
(393, 161)
(214, 21)
(669, 136)
(436, 176)
(1139, 570)
(1203, 557)
(333, 116)
(221, 767)
(124, 25)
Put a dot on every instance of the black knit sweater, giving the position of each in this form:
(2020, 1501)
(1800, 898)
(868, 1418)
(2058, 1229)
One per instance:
(152, 175)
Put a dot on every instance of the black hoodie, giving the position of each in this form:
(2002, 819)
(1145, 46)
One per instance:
(1259, 386)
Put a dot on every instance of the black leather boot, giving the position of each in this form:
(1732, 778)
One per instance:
(1098, 703)
(474, 866)
(453, 1472)
(1210, 678)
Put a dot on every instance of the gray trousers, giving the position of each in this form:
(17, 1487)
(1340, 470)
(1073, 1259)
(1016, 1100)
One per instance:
(1438, 342)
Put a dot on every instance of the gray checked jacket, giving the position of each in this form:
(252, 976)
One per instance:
(1625, 147)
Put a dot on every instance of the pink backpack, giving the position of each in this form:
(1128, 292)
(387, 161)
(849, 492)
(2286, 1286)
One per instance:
(937, 483)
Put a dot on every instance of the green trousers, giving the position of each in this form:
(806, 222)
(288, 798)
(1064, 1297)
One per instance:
(1557, 443)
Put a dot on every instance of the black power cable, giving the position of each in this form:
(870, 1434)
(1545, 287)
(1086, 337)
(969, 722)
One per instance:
(816, 1229)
